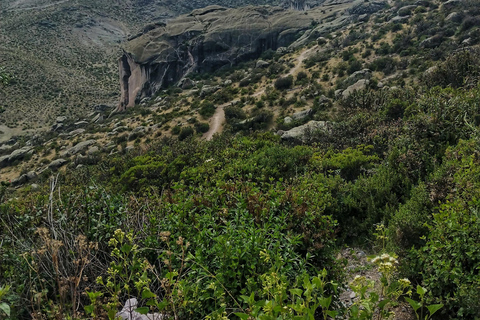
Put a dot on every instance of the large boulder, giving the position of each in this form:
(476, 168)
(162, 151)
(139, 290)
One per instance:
(357, 86)
(358, 75)
(302, 114)
(55, 164)
(303, 132)
(79, 147)
(19, 154)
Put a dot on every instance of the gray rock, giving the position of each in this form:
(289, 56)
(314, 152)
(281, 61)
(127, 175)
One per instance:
(19, 180)
(101, 107)
(431, 42)
(4, 161)
(55, 164)
(82, 123)
(363, 17)
(352, 295)
(61, 119)
(80, 147)
(367, 7)
(57, 127)
(302, 114)
(452, 4)
(400, 19)
(35, 186)
(454, 17)
(185, 83)
(93, 150)
(128, 312)
(262, 64)
(97, 118)
(357, 86)
(137, 132)
(120, 129)
(227, 82)
(358, 75)
(405, 11)
(31, 175)
(303, 132)
(5, 148)
(207, 90)
(19, 154)
(76, 132)
(323, 99)
(287, 120)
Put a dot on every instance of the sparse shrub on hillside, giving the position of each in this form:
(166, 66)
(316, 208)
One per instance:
(354, 65)
(284, 83)
(387, 65)
(202, 127)
(185, 133)
(302, 78)
(234, 114)
(176, 130)
(207, 109)
(469, 23)
(318, 58)
(459, 69)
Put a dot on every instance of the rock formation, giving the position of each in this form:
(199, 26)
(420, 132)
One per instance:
(212, 37)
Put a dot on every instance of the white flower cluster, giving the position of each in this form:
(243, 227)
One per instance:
(386, 263)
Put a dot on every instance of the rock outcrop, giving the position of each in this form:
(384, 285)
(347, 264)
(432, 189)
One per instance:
(304, 132)
(212, 37)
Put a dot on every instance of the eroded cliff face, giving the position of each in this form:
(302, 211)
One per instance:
(212, 37)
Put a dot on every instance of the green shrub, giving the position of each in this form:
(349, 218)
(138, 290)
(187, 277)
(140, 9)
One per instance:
(207, 109)
(202, 127)
(185, 133)
(234, 113)
(176, 130)
(284, 83)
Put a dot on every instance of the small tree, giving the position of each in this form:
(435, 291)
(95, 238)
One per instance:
(284, 83)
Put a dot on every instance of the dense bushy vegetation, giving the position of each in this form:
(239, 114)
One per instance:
(207, 221)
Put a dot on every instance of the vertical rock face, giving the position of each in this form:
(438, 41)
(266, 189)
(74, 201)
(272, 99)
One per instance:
(299, 5)
(212, 37)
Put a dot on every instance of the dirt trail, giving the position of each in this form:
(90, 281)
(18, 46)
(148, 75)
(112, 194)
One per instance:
(218, 117)
(300, 60)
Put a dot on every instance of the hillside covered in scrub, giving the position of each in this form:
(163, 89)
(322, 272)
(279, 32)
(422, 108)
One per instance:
(337, 177)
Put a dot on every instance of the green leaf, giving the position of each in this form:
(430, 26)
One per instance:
(421, 290)
(142, 310)
(434, 308)
(415, 305)
(89, 309)
(296, 292)
(383, 303)
(146, 294)
(241, 315)
(5, 308)
(325, 302)
(332, 313)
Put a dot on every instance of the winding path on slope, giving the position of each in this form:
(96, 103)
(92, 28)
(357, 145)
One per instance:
(218, 117)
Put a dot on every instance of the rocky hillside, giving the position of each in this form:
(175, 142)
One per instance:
(63, 54)
(214, 37)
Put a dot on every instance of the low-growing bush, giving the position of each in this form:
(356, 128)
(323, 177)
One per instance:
(284, 83)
